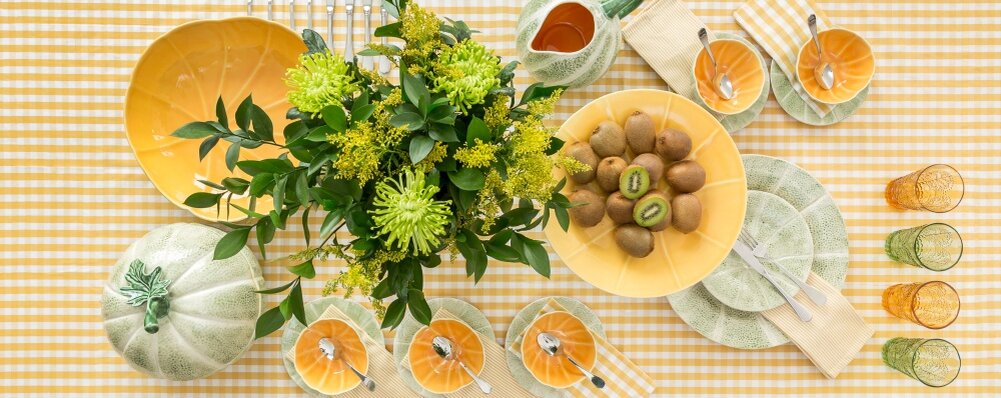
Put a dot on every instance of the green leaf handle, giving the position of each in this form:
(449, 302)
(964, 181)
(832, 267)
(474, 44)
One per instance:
(619, 8)
(155, 309)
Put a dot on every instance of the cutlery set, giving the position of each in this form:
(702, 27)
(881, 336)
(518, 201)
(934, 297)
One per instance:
(367, 62)
(752, 253)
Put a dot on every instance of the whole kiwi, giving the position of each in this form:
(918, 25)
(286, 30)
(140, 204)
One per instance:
(608, 139)
(653, 165)
(583, 153)
(686, 212)
(609, 170)
(589, 209)
(619, 208)
(686, 176)
(673, 145)
(634, 240)
(640, 133)
(662, 225)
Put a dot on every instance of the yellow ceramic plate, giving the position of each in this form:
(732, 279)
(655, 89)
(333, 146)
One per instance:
(321, 374)
(437, 375)
(850, 57)
(575, 340)
(678, 260)
(746, 73)
(178, 80)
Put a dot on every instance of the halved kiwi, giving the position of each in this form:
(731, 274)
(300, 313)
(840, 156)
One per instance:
(634, 181)
(652, 209)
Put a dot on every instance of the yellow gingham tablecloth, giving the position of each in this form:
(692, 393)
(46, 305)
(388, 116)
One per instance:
(72, 198)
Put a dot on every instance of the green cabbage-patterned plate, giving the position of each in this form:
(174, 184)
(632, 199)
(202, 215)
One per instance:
(749, 330)
(360, 315)
(796, 107)
(777, 225)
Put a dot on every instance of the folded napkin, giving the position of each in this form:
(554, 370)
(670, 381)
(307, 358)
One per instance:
(381, 365)
(779, 27)
(622, 377)
(494, 371)
(834, 336)
(666, 34)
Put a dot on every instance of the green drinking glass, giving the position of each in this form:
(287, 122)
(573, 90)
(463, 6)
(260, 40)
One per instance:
(936, 246)
(934, 362)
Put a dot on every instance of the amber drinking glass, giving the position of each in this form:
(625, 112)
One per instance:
(937, 246)
(934, 362)
(933, 305)
(938, 188)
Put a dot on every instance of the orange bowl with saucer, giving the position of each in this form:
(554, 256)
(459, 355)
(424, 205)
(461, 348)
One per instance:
(440, 376)
(850, 57)
(575, 341)
(324, 375)
(741, 64)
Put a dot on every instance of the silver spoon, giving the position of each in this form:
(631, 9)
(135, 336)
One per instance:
(721, 81)
(551, 345)
(443, 347)
(823, 72)
(328, 349)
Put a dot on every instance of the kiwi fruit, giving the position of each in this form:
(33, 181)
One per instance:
(609, 170)
(640, 134)
(651, 209)
(583, 153)
(686, 212)
(662, 225)
(589, 208)
(634, 182)
(673, 145)
(686, 176)
(634, 240)
(619, 208)
(653, 165)
(608, 139)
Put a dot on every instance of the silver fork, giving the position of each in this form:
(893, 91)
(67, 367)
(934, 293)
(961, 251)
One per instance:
(760, 251)
(330, 25)
(384, 65)
(367, 61)
(291, 14)
(349, 41)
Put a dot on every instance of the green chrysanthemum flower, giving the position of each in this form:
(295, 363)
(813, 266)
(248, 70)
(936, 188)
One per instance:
(466, 72)
(406, 213)
(320, 79)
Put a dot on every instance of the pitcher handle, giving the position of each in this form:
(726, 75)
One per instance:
(619, 8)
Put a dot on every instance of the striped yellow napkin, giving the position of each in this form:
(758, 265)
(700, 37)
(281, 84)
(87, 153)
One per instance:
(665, 33)
(622, 377)
(494, 371)
(381, 365)
(779, 27)
(835, 334)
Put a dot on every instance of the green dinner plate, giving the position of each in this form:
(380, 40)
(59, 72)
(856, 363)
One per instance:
(749, 330)
(796, 107)
(777, 225)
(360, 315)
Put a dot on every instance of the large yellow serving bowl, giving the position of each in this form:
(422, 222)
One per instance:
(849, 55)
(678, 260)
(177, 81)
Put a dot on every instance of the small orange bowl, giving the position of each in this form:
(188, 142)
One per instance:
(849, 55)
(746, 73)
(575, 341)
(437, 375)
(321, 374)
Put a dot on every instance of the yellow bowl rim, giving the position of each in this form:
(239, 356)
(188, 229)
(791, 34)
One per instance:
(761, 68)
(594, 343)
(799, 56)
(355, 333)
(479, 340)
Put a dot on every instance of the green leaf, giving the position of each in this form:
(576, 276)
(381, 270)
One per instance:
(468, 179)
(212, 184)
(319, 134)
(232, 156)
(472, 250)
(302, 188)
(295, 131)
(194, 130)
(442, 114)
(295, 303)
(477, 130)
(563, 217)
(443, 133)
(536, 256)
(231, 243)
(304, 269)
(408, 120)
(220, 112)
(263, 128)
(202, 200)
(357, 221)
(269, 322)
(206, 146)
(243, 113)
(305, 224)
(314, 43)
(260, 184)
(419, 306)
(362, 113)
(555, 143)
(278, 194)
(265, 234)
(382, 290)
(420, 147)
(394, 314)
(521, 215)
(537, 91)
(235, 185)
(391, 30)
(507, 74)
(368, 52)
(277, 289)
(329, 222)
(275, 166)
(414, 88)
(334, 116)
(502, 252)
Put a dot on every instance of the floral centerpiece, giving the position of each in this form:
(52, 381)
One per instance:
(446, 162)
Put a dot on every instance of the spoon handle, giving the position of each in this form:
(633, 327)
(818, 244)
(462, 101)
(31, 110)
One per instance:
(367, 382)
(597, 381)
(812, 22)
(704, 38)
(484, 386)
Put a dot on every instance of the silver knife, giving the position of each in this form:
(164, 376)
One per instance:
(349, 41)
(747, 255)
(250, 7)
(330, 25)
(271, 10)
(384, 65)
(291, 14)
(366, 9)
(309, 14)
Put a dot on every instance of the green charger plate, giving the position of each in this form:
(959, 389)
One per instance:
(360, 315)
(521, 322)
(740, 120)
(749, 330)
(777, 225)
(466, 312)
(796, 107)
